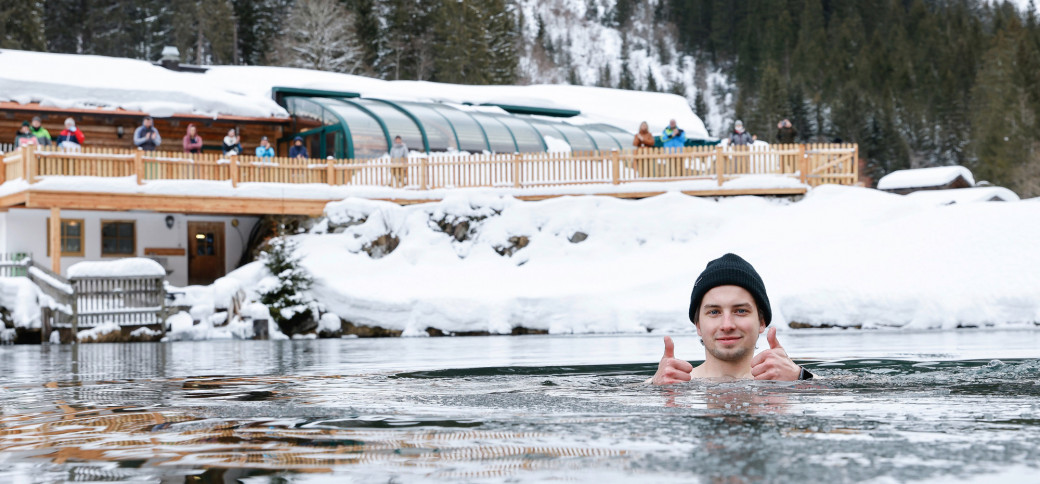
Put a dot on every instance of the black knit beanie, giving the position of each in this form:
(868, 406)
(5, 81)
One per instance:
(730, 270)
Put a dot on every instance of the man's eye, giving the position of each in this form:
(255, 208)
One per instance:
(742, 311)
(713, 312)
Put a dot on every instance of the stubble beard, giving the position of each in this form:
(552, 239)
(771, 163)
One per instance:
(727, 355)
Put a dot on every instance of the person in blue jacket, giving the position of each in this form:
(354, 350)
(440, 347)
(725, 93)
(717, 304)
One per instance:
(264, 150)
(673, 136)
(297, 150)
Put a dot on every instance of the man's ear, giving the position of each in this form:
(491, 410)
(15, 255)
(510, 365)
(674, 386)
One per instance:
(698, 326)
(761, 324)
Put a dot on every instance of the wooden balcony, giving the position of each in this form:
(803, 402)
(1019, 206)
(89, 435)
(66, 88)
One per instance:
(111, 179)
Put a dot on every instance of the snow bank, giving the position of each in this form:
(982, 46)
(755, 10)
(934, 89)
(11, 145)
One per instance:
(924, 177)
(965, 195)
(82, 81)
(129, 267)
(842, 256)
(20, 297)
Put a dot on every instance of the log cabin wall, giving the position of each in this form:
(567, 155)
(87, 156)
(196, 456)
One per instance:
(101, 127)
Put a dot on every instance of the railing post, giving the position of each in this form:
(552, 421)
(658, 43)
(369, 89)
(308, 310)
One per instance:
(54, 241)
(233, 167)
(75, 311)
(29, 158)
(616, 165)
(139, 165)
(422, 173)
(719, 168)
(803, 164)
(855, 165)
(330, 171)
(517, 159)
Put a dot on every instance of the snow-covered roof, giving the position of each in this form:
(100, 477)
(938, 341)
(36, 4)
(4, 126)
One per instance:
(966, 195)
(82, 81)
(924, 177)
(130, 267)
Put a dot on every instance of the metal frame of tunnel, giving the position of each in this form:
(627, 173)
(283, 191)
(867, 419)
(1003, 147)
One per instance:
(414, 118)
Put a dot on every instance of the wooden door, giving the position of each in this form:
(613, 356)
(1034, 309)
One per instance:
(205, 252)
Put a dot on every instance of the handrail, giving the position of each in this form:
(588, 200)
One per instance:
(812, 164)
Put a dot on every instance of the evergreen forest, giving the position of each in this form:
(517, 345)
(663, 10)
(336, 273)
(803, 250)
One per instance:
(915, 82)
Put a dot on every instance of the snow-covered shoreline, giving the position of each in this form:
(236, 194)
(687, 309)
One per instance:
(480, 261)
(843, 257)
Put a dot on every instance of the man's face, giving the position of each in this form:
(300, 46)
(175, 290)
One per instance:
(728, 323)
(36, 123)
(264, 143)
(147, 123)
(671, 124)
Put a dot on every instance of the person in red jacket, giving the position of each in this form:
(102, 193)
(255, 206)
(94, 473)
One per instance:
(70, 139)
(192, 140)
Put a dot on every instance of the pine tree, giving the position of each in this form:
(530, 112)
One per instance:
(1002, 125)
(319, 35)
(259, 27)
(285, 294)
(21, 25)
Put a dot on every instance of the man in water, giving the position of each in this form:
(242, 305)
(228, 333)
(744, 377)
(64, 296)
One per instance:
(730, 309)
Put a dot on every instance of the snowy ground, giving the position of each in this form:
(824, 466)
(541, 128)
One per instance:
(843, 256)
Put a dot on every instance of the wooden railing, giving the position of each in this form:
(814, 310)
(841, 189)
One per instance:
(812, 164)
(85, 302)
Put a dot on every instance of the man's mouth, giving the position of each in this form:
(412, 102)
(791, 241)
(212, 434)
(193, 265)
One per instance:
(727, 340)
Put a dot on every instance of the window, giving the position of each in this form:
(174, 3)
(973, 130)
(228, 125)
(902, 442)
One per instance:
(204, 243)
(71, 237)
(118, 237)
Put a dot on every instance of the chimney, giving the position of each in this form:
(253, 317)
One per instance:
(171, 58)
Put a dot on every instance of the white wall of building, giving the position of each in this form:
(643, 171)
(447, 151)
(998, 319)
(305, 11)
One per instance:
(25, 230)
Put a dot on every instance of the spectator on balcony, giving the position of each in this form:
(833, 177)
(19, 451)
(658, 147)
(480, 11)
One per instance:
(71, 138)
(43, 137)
(25, 136)
(264, 150)
(739, 137)
(398, 151)
(643, 138)
(192, 141)
(232, 145)
(146, 136)
(785, 132)
(673, 136)
(297, 150)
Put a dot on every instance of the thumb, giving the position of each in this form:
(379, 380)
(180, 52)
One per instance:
(669, 347)
(771, 337)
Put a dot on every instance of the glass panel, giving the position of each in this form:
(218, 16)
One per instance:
(578, 139)
(471, 137)
(527, 138)
(70, 245)
(313, 144)
(497, 133)
(125, 246)
(126, 229)
(548, 131)
(367, 135)
(310, 114)
(623, 137)
(397, 123)
(108, 230)
(438, 131)
(603, 140)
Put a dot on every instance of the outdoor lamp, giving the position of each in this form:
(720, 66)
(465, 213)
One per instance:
(169, 221)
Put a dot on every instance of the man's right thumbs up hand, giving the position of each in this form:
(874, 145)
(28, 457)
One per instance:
(670, 369)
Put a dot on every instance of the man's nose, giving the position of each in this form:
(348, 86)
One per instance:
(727, 321)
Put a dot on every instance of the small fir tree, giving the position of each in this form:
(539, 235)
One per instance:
(286, 297)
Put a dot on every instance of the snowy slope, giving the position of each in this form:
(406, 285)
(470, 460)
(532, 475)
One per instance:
(842, 256)
(584, 41)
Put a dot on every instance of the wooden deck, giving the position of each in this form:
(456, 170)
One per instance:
(532, 176)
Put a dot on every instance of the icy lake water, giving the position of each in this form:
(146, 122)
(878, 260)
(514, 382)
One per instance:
(930, 406)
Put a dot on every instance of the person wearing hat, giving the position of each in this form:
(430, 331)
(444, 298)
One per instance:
(739, 137)
(71, 138)
(25, 136)
(297, 150)
(264, 150)
(43, 137)
(146, 136)
(730, 308)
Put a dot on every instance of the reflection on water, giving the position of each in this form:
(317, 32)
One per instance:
(381, 410)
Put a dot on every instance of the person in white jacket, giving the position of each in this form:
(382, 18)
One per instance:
(397, 151)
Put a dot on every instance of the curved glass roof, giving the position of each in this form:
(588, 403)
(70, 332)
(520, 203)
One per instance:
(369, 125)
